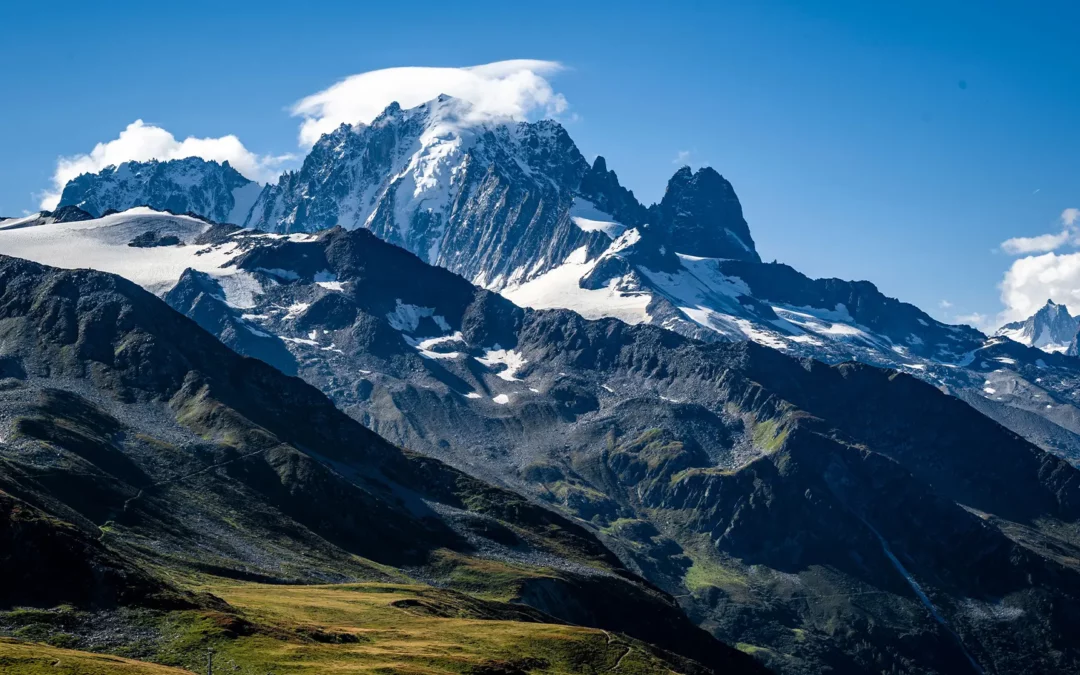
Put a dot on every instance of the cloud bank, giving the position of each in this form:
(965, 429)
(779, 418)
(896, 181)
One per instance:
(142, 142)
(1032, 280)
(504, 89)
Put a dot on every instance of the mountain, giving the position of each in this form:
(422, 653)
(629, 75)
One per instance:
(192, 185)
(1051, 329)
(499, 203)
(820, 516)
(701, 216)
(696, 461)
(150, 475)
(515, 208)
(819, 513)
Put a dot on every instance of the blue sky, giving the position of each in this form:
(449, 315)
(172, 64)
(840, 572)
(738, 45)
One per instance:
(896, 142)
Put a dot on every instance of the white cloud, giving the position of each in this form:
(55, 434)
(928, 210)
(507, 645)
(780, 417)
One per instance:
(1039, 244)
(504, 89)
(1031, 281)
(945, 304)
(141, 142)
(1045, 243)
(682, 158)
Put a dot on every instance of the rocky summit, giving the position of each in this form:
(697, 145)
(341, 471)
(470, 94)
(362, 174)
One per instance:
(192, 185)
(1051, 329)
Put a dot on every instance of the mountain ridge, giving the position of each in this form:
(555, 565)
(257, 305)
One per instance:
(514, 207)
(149, 425)
(653, 440)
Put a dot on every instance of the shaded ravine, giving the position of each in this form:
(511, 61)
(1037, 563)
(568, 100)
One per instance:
(924, 599)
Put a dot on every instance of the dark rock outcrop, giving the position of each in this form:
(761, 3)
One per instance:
(701, 215)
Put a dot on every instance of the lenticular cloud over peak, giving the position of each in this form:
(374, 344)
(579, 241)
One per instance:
(503, 89)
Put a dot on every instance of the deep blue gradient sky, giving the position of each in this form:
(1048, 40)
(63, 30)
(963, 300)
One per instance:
(895, 142)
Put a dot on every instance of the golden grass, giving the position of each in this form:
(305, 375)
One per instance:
(30, 658)
(372, 627)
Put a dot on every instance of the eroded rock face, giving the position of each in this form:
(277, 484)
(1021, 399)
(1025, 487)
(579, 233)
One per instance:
(492, 202)
(489, 201)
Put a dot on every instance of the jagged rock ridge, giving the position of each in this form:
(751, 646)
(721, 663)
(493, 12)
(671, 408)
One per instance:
(1051, 328)
(191, 185)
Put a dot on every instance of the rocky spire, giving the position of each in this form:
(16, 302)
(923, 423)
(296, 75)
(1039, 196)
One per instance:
(602, 188)
(701, 215)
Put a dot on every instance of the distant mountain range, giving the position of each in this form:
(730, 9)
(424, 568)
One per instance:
(633, 379)
(515, 208)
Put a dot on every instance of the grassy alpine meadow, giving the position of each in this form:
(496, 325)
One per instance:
(347, 628)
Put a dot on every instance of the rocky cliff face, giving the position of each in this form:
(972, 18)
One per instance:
(192, 185)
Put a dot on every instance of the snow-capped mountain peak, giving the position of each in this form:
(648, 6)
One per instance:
(514, 207)
(484, 196)
(190, 185)
(1051, 329)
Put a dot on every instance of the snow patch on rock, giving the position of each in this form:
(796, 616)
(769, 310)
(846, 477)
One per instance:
(509, 360)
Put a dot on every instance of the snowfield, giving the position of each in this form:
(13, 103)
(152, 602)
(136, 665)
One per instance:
(102, 244)
(560, 288)
(585, 215)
